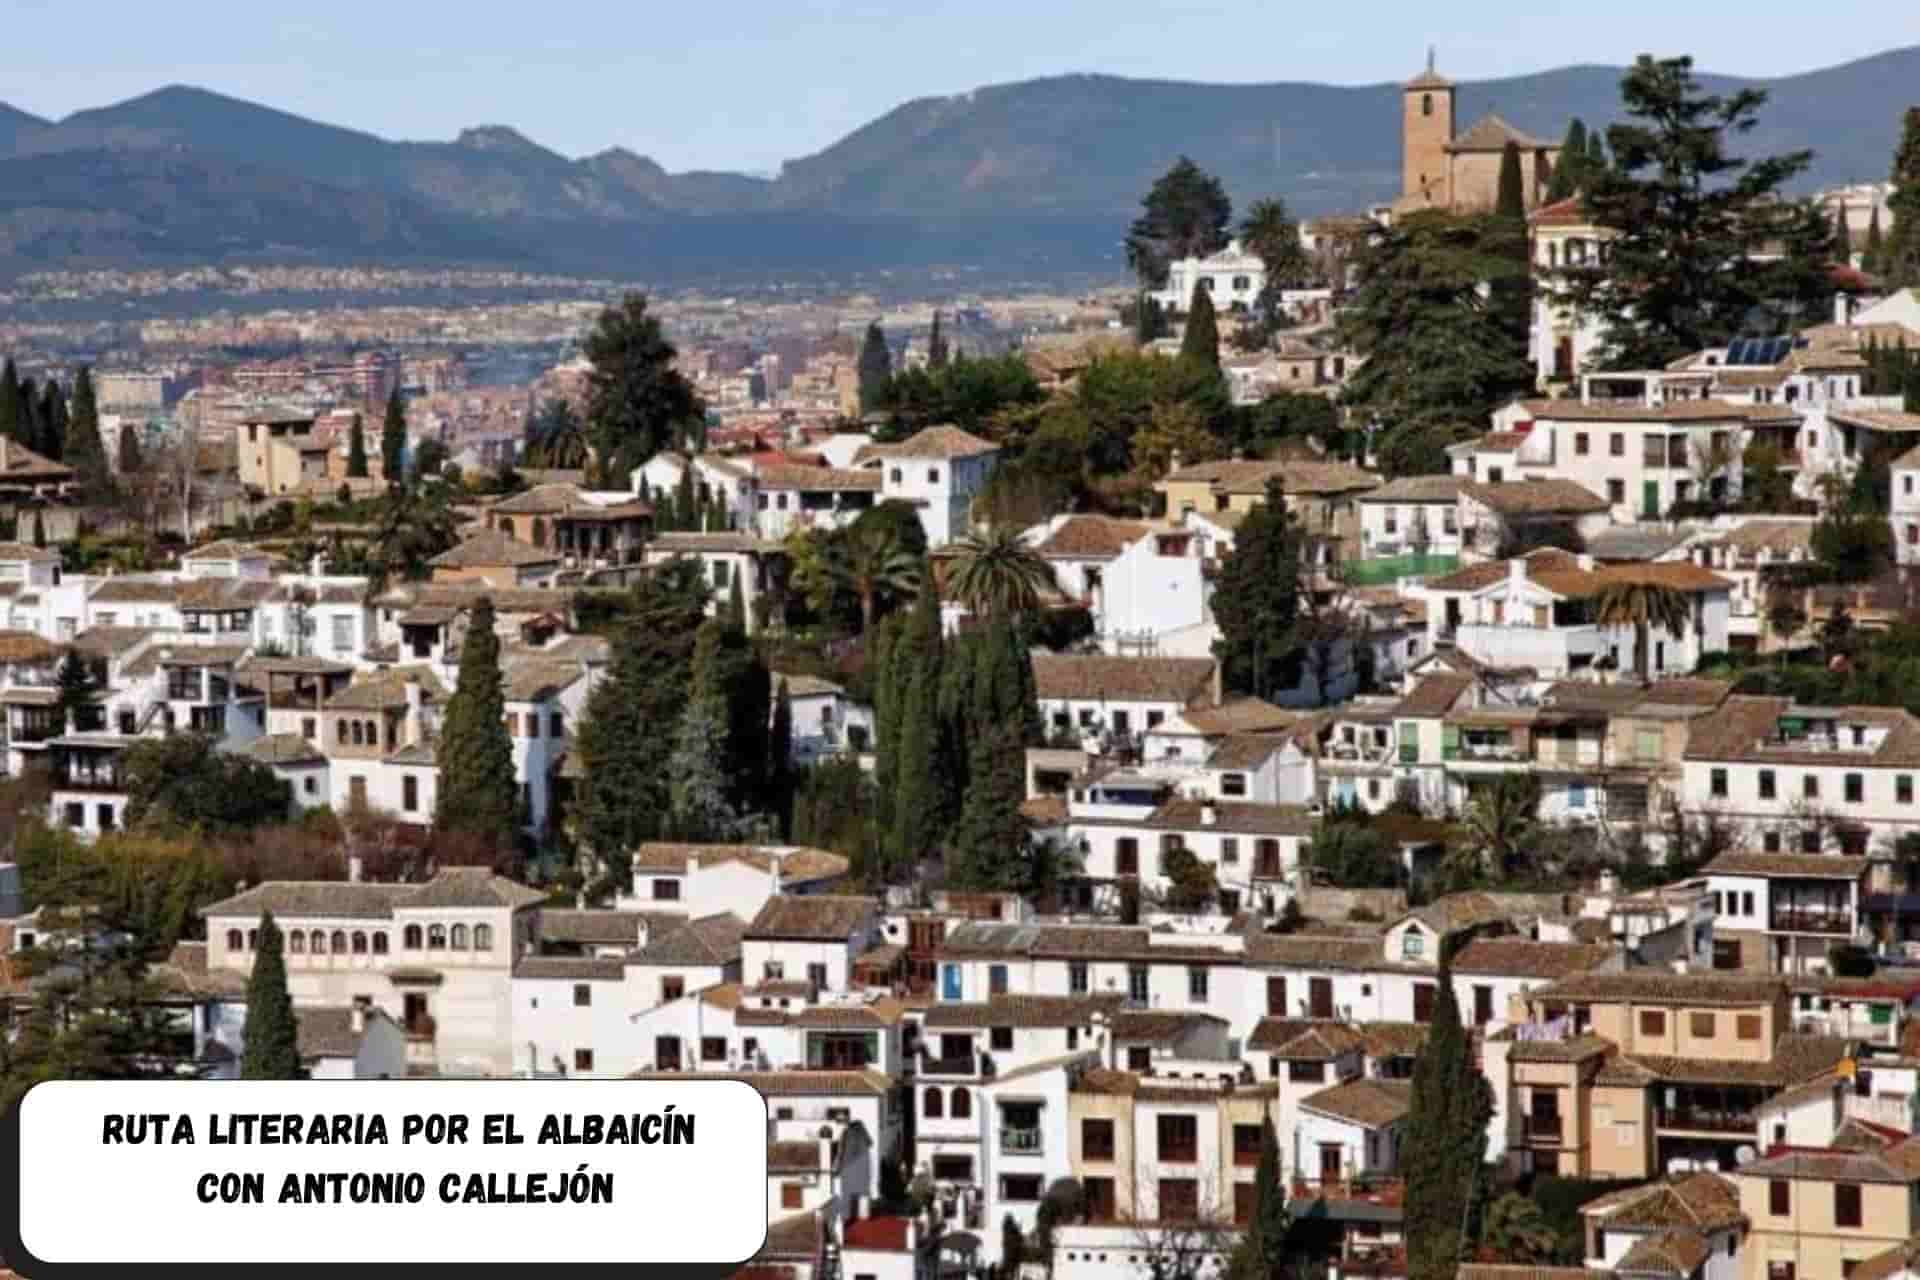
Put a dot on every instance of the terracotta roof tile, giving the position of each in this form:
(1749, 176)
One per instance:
(813, 917)
(1536, 497)
(1372, 1103)
(1092, 537)
(1098, 676)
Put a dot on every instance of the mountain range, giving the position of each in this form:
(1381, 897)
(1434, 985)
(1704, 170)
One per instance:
(1031, 179)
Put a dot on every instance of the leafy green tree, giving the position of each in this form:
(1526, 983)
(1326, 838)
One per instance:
(1517, 1230)
(1119, 395)
(413, 525)
(875, 368)
(83, 449)
(1149, 321)
(1201, 339)
(637, 402)
(271, 1041)
(78, 692)
(1257, 600)
(1511, 202)
(999, 573)
(393, 439)
(1646, 606)
(1185, 214)
(1898, 260)
(478, 791)
(1352, 855)
(1689, 225)
(833, 809)
(1192, 886)
(357, 450)
(182, 782)
(623, 798)
(1445, 1139)
(1441, 350)
(1852, 541)
(973, 395)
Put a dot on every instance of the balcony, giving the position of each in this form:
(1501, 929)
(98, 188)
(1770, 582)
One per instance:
(1020, 1142)
(1541, 1131)
(1704, 1119)
(1806, 920)
(1386, 1192)
(967, 1066)
(103, 784)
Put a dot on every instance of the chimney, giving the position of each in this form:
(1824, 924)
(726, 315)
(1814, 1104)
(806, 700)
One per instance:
(1586, 562)
(1517, 570)
(1209, 812)
(356, 869)
(359, 1019)
(416, 701)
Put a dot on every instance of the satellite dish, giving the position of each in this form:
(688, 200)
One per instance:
(1745, 1154)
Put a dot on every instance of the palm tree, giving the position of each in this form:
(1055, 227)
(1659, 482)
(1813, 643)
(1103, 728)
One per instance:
(1501, 819)
(999, 572)
(1517, 1230)
(1270, 234)
(415, 525)
(557, 437)
(1643, 605)
(872, 559)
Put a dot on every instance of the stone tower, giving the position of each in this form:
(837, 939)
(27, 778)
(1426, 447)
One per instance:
(1426, 128)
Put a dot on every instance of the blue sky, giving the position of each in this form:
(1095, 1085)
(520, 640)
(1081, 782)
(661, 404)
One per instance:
(746, 84)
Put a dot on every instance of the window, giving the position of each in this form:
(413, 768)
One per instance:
(934, 1105)
(897, 476)
(1096, 1139)
(953, 1168)
(1767, 791)
(1579, 444)
(997, 979)
(483, 937)
(1413, 944)
(1246, 1144)
(1179, 1199)
(817, 975)
(1233, 784)
(343, 633)
(380, 943)
(792, 1195)
(1617, 446)
(409, 793)
(1846, 1204)
(1126, 856)
(1653, 1022)
(1197, 984)
(459, 942)
(1000, 1039)
(296, 942)
(933, 475)
(1137, 982)
(1020, 1187)
(666, 890)
(317, 942)
(1903, 788)
(1306, 1072)
(1717, 784)
(1617, 491)
(410, 937)
(359, 944)
(1856, 788)
(1810, 787)
(713, 1048)
(962, 1104)
(1747, 1026)
(583, 1059)
(1229, 852)
(1810, 840)
(672, 989)
(307, 728)
(1701, 1025)
(1078, 981)
(1179, 1139)
(582, 995)
(1140, 1060)
(1778, 1201)
(436, 937)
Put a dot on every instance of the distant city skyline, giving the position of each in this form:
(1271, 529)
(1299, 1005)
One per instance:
(758, 83)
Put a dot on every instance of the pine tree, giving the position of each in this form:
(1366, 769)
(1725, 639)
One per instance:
(1202, 338)
(1512, 200)
(127, 452)
(922, 799)
(357, 450)
(1900, 257)
(272, 1038)
(1446, 1138)
(478, 792)
(393, 439)
(85, 451)
(936, 345)
(780, 771)
(12, 413)
(875, 368)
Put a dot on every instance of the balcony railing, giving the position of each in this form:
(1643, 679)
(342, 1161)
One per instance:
(93, 784)
(1792, 920)
(1541, 1131)
(1704, 1119)
(1020, 1142)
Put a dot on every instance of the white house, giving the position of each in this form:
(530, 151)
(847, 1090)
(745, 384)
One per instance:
(357, 1042)
(938, 471)
(1232, 277)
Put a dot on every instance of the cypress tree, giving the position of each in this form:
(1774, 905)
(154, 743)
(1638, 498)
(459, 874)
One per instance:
(357, 450)
(886, 718)
(989, 846)
(922, 800)
(393, 438)
(1842, 238)
(76, 691)
(875, 368)
(936, 345)
(1596, 155)
(272, 1037)
(12, 415)
(85, 451)
(780, 772)
(1202, 338)
(52, 423)
(1900, 256)
(1565, 181)
(1512, 200)
(699, 810)
(736, 606)
(1870, 260)
(478, 793)
(1266, 1239)
(1446, 1138)
(128, 451)
(39, 530)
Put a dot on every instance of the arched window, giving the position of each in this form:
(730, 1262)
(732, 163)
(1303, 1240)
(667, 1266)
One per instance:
(296, 942)
(340, 727)
(962, 1108)
(359, 944)
(1426, 104)
(411, 937)
(379, 944)
(436, 937)
(359, 734)
(936, 1106)
(253, 939)
(235, 941)
(319, 945)
(459, 937)
(483, 937)
(339, 942)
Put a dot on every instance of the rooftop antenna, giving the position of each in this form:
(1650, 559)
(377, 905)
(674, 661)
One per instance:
(1429, 59)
